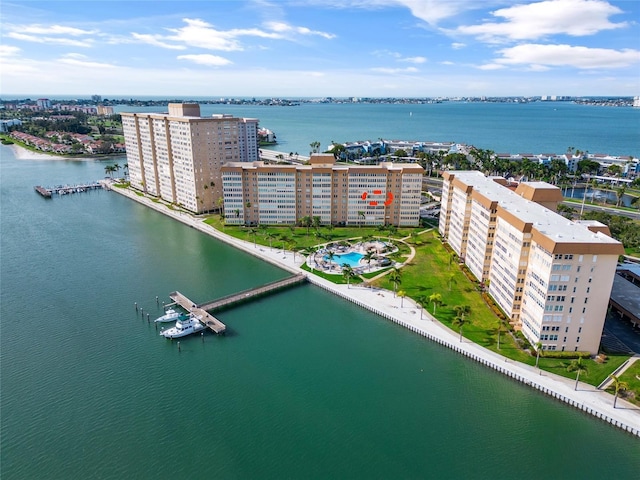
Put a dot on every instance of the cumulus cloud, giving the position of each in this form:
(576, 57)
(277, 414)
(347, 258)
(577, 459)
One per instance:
(541, 19)
(394, 70)
(87, 42)
(37, 29)
(156, 41)
(285, 28)
(567, 55)
(201, 34)
(79, 60)
(206, 59)
(416, 60)
(8, 51)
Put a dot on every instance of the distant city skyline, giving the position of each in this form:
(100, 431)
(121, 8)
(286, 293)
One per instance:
(318, 48)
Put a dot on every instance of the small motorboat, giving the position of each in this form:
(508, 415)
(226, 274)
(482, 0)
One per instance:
(187, 326)
(170, 315)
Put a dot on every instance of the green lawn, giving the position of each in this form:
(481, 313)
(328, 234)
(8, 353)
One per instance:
(433, 270)
(632, 377)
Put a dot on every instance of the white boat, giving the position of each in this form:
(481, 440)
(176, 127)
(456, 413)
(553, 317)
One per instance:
(170, 315)
(183, 327)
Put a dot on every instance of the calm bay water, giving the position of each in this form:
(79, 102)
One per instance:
(305, 385)
(539, 127)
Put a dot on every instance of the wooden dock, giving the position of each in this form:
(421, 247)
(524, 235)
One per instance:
(202, 310)
(209, 321)
(47, 192)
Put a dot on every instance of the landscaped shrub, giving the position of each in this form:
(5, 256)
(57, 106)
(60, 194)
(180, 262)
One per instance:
(558, 354)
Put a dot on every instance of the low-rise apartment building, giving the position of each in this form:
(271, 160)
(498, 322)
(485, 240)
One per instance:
(385, 194)
(552, 276)
(177, 156)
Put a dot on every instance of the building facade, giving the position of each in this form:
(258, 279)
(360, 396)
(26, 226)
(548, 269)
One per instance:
(387, 194)
(177, 156)
(551, 276)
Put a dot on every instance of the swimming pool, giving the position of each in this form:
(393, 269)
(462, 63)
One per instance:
(352, 259)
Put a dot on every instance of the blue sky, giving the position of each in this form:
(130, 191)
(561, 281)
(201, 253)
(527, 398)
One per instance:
(317, 48)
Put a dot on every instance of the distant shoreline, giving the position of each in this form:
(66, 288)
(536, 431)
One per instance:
(23, 153)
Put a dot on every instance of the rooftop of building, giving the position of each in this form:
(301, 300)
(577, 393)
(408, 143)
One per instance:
(547, 222)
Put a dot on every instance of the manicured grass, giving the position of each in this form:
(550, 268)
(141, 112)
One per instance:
(632, 377)
(597, 372)
(433, 270)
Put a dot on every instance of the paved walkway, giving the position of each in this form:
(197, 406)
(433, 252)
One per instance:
(588, 398)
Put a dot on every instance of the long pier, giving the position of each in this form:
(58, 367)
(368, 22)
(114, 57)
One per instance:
(47, 192)
(202, 310)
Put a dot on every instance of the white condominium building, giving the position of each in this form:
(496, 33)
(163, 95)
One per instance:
(552, 276)
(387, 194)
(177, 155)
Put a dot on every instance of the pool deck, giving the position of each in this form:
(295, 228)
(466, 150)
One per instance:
(404, 312)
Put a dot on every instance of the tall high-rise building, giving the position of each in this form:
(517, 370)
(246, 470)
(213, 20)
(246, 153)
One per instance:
(177, 156)
(550, 275)
(385, 194)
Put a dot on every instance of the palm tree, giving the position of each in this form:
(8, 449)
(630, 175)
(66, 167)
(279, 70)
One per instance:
(269, 236)
(460, 321)
(370, 255)
(578, 367)
(436, 299)
(618, 386)
(315, 222)
(396, 277)
(361, 215)
(538, 348)
(402, 294)
(500, 330)
(423, 301)
(330, 256)
(462, 310)
(347, 273)
(253, 231)
(452, 279)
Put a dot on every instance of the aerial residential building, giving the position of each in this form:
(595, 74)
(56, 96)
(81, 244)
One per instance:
(103, 111)
(386, 194)
(177, 156)
(551, 276)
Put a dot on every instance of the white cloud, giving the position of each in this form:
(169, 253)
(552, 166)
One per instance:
(538, 20)
(8, 51)
(282, 27)
(490, 66)
(394, 70)
(432, 11)
(567, 55)
(79, 60)
(50, 40)
(54, 30)
(206, 59)
(457, 45)
(155, 41)
(416, 60)
(201, 34)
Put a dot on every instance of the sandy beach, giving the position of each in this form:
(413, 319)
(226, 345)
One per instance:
(22, 153)
(406, 313)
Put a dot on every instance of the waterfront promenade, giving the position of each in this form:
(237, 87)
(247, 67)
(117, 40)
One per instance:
(382, 302)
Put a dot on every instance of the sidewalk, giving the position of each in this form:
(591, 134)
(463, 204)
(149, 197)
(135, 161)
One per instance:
(382, 302)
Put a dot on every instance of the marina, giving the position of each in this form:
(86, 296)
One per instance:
(48, 192)
(201, 311)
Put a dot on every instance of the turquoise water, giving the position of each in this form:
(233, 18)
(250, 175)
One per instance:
(540, 127)
(352, 259)
(305, 385)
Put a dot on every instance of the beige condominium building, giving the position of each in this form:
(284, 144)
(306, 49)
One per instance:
(177, 156)
(386, 194)
(552, 276)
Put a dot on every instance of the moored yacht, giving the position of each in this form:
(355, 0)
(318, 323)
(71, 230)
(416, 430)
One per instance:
(183, 327)
(170, 315)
